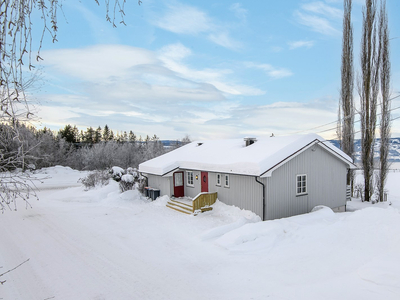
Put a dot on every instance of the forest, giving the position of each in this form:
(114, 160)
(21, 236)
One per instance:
(93, 149)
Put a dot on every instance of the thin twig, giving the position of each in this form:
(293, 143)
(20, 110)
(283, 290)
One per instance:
(2, 282)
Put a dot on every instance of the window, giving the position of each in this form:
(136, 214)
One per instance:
(219, 179)
(301, 184)
(226, 180)
(190, 178)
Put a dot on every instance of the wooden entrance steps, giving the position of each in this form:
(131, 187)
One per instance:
(180, 206)
(201, 203)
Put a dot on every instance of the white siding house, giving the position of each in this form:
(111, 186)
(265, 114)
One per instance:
(274, 177)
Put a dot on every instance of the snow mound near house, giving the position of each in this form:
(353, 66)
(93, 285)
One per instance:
(263, 235)
(57, 177)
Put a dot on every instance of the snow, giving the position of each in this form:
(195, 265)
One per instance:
(101, 244)
(231, 155)
(128, 178)
(117, 171)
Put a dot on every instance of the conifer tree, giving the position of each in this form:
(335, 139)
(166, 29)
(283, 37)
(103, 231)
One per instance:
(106, 133)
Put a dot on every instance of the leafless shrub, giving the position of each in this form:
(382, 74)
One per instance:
(95, 178)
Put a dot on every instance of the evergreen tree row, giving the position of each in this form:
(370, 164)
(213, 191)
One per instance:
(99, 149)
(71, 134)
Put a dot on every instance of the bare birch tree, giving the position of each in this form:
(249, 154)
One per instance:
(16, 61)
(346, 106)
(385, 125)
(368, 89)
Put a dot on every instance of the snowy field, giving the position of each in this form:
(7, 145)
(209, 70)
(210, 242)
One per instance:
(101, 244)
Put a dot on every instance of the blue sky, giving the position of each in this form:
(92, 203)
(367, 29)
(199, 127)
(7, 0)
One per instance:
(210, 69)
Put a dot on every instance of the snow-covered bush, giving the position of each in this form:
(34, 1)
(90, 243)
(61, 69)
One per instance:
(117, 173)
(132, 180)
(95, 178)
(127, 183)
(132, 171)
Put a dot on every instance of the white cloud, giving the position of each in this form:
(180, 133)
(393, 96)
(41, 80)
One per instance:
(270, 70)
(116, 84)
(185, 19)
(319, 17)
(316, 23)
(100, 62)
(323, 9)
(223, 39)
(300, 44)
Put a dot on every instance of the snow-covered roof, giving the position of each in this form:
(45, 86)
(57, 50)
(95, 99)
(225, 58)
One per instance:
(232, 156)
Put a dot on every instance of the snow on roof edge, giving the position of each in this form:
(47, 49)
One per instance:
(231, 156)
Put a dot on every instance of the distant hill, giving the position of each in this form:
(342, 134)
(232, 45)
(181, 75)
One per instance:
(394, 153)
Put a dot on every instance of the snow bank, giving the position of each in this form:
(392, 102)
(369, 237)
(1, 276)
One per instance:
(268, 232)
(221, 230)
(102, 244)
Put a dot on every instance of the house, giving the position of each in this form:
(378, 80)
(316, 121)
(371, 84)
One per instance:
(274, 177)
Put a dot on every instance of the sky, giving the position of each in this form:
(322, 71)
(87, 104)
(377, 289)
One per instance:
(207, 69)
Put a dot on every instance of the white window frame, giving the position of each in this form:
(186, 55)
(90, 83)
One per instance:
(190, 178)
(302, 189)
(226, 179)
(218, 179)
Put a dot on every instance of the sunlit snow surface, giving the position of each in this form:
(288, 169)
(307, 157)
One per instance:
(100, 244)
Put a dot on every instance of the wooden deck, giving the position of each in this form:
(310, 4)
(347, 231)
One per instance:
(201, 203)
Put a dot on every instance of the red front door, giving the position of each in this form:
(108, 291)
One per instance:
(204, 182)
(179, 190)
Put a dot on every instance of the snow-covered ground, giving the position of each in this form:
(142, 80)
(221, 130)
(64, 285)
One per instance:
(101, 244)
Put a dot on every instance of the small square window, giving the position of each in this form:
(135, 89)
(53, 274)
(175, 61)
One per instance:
(301, 184)
(190, 178)
(226, 180)
(219, 179)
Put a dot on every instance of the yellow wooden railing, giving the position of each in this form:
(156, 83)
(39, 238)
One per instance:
(204, 200)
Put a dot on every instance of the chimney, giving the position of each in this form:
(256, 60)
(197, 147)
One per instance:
(250, 141)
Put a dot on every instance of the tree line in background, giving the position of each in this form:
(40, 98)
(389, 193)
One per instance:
(89, 150)
(72, 134)
(373, 86)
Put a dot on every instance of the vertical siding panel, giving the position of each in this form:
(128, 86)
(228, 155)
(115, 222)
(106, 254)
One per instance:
(326, 184)
(161, 183)
(243, 192)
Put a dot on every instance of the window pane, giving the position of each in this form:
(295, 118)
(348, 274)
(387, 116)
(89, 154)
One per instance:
(178, 179)
(190, 178)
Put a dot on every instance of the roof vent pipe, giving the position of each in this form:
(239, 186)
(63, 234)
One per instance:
(250, 141)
